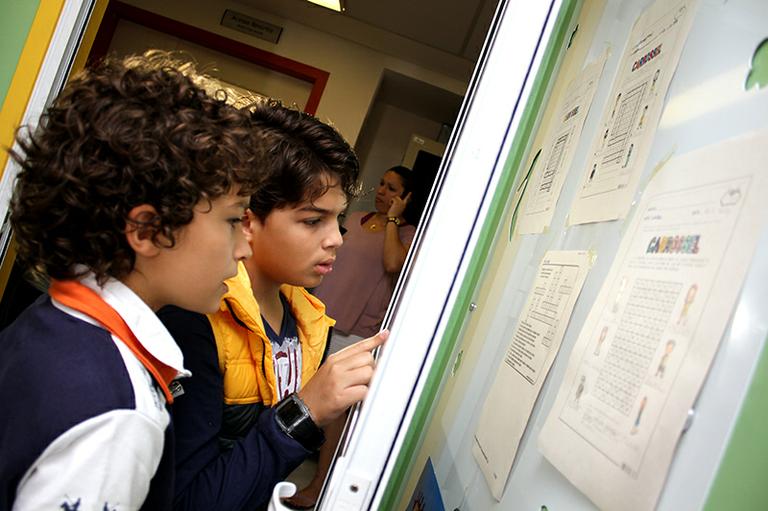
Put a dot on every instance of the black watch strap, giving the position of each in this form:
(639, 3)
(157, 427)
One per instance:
(293, 417)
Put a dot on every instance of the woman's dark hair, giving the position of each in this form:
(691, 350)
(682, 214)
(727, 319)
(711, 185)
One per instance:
(406, 177)
(125, 133)
(413, 210)
(304, 157)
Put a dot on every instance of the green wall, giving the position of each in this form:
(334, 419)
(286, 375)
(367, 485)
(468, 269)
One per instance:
(16, 18)
(741, 478)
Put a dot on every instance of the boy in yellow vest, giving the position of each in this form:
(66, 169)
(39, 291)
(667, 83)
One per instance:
(130, 197)
(261, 393)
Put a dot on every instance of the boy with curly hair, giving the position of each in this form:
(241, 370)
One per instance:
(130, 197)
(259, 360)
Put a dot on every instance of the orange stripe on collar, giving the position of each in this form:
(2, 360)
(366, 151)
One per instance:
(75, 295)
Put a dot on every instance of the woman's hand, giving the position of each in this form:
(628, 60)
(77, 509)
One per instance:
(398, 204)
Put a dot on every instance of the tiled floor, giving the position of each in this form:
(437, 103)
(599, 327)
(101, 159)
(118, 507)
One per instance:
(303, 473)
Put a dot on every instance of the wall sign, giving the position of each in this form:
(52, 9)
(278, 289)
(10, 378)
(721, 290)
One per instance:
(252, 26)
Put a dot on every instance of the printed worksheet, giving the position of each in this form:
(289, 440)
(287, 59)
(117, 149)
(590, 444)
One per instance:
(531, 352)
(621, 147)
(559, 147)
(647, 344)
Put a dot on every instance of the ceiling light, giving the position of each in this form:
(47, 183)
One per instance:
(334, 5)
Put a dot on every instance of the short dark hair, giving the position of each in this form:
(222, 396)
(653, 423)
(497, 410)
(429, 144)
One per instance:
(124, 133)
(301, 154)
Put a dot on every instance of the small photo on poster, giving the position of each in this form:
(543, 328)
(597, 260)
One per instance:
(426, 496)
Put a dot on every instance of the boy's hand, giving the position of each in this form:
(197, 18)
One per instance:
(341, 381)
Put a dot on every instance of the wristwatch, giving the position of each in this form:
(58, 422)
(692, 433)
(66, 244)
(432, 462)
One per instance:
(394, 220)
(293, 417)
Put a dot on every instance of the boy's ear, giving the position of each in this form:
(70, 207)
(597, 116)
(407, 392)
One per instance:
(249, 222)
(140, 229)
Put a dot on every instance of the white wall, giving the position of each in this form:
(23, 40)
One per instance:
(235, 73)
(382, 144)
(354, 70)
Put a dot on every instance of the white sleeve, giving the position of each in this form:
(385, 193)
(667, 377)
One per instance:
(106, 462)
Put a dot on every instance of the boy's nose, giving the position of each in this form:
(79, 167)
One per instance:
(334, 239)
(242, 248)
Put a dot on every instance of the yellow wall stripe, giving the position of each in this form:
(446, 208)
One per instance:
(23, 81)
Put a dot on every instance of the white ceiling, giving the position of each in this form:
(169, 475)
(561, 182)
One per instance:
(442, 35)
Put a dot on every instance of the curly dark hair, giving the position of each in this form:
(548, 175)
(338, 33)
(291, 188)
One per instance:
(301, 154)
(124, 133)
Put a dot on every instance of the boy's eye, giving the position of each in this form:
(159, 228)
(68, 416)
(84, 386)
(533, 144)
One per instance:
(235, 221)
(311, 221)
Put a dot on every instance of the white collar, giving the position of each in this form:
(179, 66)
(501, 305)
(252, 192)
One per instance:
(142, 321)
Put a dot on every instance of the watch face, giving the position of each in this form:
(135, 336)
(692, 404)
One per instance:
(290, 412)
(293, 417)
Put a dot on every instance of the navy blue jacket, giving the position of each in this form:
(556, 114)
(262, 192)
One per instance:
(207, 475)
(57, 373)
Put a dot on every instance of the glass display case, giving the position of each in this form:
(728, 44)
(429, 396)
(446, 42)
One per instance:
(595, 113)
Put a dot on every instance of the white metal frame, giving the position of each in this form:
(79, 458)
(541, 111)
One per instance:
(50, 80)
(475, 158)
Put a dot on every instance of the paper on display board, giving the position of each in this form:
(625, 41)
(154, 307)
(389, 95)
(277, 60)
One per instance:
(623, 141)
(528, 358)
(650, 338)
(560, 144)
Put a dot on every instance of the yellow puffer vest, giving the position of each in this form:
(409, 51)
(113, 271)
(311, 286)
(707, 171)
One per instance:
(245, 352)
